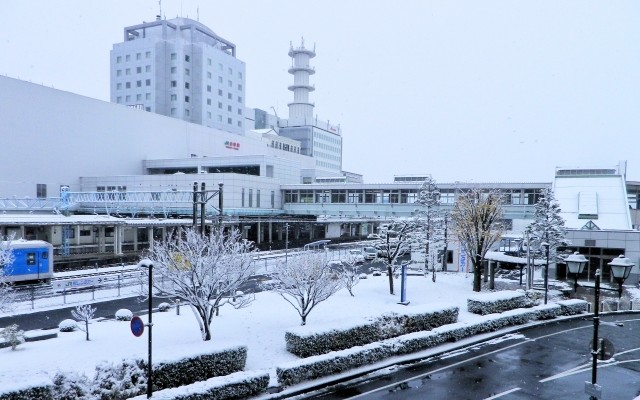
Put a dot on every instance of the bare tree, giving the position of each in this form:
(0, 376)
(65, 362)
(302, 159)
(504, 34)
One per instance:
(203, 271)
(349, 274)
(7, 294)
(477, 217)
(395, 242)
(84, 313)
(430, 220)
(305, 281)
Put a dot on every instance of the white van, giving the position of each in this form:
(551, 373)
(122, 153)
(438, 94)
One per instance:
(370, 253)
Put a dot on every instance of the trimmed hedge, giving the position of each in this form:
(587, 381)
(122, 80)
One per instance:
(338, 361)
(238, 385)
(307, 341)
(497, 302)
(198, 368)
(33, 393)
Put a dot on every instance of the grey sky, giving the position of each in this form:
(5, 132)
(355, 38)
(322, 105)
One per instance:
(490, 91)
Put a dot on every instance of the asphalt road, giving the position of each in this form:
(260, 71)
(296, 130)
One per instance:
(551, 361)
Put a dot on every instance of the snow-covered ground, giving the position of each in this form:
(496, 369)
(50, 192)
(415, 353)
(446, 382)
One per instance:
(261, 327)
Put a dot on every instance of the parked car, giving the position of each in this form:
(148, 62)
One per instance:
(370, 253)
(356, 255)
(373, 236)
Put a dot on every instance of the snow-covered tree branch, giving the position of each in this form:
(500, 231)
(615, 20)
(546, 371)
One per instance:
(204, 272)
(7, 295)
(306, 280)
(477, 217)
(84, 313)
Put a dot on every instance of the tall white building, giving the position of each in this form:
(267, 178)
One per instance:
(181, 69)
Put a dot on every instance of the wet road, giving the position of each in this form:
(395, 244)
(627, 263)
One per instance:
(547, 362)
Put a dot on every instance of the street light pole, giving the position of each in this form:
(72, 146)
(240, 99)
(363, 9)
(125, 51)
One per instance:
(148, 264)
(286, 243)
(546, 273)
(596, 324)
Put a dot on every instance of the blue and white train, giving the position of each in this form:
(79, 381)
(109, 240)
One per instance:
(32, 261)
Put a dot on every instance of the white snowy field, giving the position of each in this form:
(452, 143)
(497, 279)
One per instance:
(261, 327)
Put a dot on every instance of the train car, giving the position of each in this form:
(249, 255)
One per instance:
(32, 261)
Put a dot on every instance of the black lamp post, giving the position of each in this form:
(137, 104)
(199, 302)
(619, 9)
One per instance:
(546, 272)
(148, 264)
(620, 269)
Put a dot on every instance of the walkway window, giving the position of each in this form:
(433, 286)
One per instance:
(339, 196)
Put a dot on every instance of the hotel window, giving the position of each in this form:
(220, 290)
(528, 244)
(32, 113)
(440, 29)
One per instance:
(147, 54)
(229, 83)
(219, 67)
(186, 85)
(127, 57)
(138, 56)
(118, 86)
(147, 82)
(119, 59)
(138, 70)
(119, 99)
(127, 98)
(127, 85)
(209, 114)
(239, 111)
(119, 72)
(186, 57)
(186, 99)
(208, 75)
(219, 79)
(229, 108)
(138, 83)
(147, 68)
(219, 92)
(219, 118)
(229, 121)
(174, 97)
(173, 112)
(208, 61)
(187, 72)
(147, 108)
(208, 102)
(174, 84)
(220, 105)
(174, 56)
(229, 96)
(127, 71)
(147, 96)
(173, 70)
(187, 112)
(239, 75)
(138, 97)
(239, 123)
(41, 191)
(208, 88)
(239, 99)
(239, 86)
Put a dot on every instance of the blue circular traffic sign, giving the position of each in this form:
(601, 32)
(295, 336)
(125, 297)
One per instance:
(137, 326)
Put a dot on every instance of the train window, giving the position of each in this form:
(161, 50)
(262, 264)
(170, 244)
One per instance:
(31, 258)
(44, 255)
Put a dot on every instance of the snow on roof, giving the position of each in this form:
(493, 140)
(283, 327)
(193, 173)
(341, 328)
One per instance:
(601, 199)
(58, 219)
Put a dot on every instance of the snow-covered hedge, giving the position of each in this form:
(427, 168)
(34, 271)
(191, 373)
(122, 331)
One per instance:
(124, 315)
(573, 306)
(68, 325)
(34, 393)
(307, 340)
(164, 307)
(497, 302)
(238, 385)
(338, 361)
(199, 368)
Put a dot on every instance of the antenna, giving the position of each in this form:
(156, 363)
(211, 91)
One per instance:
(160, 7)
(198, 14)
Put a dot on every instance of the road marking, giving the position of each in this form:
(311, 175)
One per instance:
(503, 393)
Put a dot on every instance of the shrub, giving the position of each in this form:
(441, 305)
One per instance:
(70, 386)
(113, 382)
(164, 307)
(68, 325)
(124, 315)
(13, 336)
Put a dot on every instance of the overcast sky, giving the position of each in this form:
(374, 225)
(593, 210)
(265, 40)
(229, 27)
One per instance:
(483, 91)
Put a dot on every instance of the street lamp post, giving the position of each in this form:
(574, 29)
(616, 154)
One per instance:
(620, 269)
(148, 264)
(286, 243)
(546, 272)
